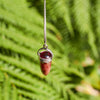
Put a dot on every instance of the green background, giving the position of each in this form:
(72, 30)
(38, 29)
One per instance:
(73, 35)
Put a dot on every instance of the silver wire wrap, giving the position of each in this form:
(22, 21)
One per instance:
(44, 49)
(42, 59)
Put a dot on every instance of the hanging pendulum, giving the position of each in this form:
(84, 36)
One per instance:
(45, 55)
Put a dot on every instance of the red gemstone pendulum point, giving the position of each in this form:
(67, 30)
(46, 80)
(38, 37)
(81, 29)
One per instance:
(45, 61)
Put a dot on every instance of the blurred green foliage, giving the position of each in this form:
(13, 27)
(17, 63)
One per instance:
(73, 34)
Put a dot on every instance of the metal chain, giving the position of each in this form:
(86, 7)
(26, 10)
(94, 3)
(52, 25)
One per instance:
(45, 40)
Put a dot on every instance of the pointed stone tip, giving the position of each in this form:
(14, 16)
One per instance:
(45, 73)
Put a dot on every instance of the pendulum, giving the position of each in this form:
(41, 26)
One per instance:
(45, 55)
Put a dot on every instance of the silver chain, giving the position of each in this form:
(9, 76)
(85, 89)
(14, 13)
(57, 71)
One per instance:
(45, 40)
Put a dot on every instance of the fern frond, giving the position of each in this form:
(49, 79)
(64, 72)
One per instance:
(14, 93)
(6, 89)
(98, 17)
(83, 22)
(1, 91)
(18, 64)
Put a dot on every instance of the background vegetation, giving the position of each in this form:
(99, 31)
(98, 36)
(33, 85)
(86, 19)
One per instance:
(73, 33)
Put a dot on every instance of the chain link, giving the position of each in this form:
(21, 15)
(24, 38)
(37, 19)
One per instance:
(45, 40)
